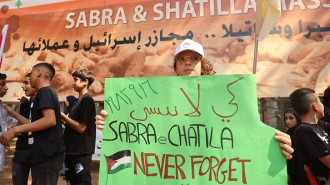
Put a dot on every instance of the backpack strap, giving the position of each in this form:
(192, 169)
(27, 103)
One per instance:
(310, 176)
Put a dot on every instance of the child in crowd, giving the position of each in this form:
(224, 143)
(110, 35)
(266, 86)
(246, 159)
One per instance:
(22, 157)
(69, 103)
(80, 131)
(294, 165)
(46, 141)
(5, 119)
(311, 139)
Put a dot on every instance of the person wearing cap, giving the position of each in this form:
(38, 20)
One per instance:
(189, 61)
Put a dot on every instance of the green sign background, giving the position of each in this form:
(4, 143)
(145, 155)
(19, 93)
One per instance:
(189, 130)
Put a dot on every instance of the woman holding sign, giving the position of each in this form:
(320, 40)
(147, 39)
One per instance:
(189, 61)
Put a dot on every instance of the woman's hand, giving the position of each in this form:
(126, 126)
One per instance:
(99, 120)
(285, 143)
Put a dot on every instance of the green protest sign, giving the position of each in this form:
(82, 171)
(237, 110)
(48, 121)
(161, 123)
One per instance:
(187, 130)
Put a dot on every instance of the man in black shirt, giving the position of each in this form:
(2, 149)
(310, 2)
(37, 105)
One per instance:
(80, 131)
(46, 142)
(311, 137)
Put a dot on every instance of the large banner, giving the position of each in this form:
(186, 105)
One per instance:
(137, 38)
(187, 130)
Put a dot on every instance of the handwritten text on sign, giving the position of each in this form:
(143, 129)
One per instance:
(187, 130)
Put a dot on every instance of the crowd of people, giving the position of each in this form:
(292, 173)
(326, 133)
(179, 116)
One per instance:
(308, 126)
(43, 147)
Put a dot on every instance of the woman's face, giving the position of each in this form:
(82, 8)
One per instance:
(290, 120)
(188, 63)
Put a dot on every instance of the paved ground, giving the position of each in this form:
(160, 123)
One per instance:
(5, 176)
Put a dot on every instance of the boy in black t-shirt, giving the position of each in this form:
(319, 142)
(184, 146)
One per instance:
(80, 131)
(22, 157)
(46, 142)
(311, 137)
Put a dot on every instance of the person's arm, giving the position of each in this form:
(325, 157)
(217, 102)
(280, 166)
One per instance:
(285, 143)
(48, 120)
(325, 160)
(99, 120)
(11, 121)
(76, 126)
(16, 115)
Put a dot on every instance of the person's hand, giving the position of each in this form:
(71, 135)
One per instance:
(63, 115)
(23, 99)
(9, 109)
(63, 121)
(9, 149)
(99, 120)
(7, 136)
(285, 143)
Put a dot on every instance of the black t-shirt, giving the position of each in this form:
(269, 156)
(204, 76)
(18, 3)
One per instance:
(312, 143)
(295, 167)
(82, 111)
(22, 139)
(22, 153)
(47, 143)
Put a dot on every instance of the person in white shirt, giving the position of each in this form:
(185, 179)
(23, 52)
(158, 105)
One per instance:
(5, 119)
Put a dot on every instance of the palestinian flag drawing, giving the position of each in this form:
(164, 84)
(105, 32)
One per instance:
(118, 161)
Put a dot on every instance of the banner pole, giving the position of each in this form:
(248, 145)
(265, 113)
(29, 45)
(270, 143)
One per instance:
(2, 41)
(255, 59)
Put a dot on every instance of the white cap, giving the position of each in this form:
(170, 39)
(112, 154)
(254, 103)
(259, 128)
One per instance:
(189, 45)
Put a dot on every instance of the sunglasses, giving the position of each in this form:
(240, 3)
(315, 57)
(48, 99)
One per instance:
(193, 58)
